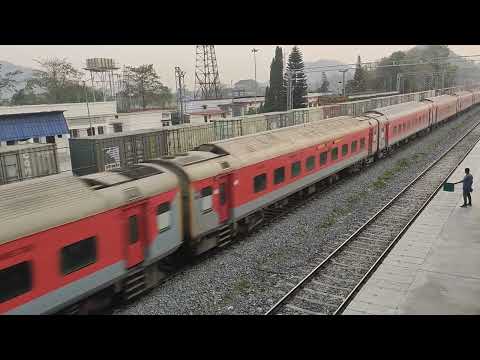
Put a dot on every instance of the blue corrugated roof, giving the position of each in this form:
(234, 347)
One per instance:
(25, 126)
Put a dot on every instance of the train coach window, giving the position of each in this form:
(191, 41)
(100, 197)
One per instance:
(362, 143)
(78, 255)
(354, 146)
(394, 130)
(206, 196)
(334, 153)
(279, 175)
(15, 281)
(296, 168)
(163, 217)
(133, 226)
(344, 149)
(310, 163)
(323, 158)
(259, 183)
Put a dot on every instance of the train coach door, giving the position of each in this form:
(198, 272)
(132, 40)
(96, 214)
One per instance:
(135, 231)
(224, 197)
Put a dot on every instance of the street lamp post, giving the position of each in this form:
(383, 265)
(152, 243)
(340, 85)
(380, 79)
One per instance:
(88, 108)
(254, 51)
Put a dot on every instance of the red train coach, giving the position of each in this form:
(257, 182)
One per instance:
(465, 100)
(270, 166)
(401, 121)
(444, 107)
(64, 238)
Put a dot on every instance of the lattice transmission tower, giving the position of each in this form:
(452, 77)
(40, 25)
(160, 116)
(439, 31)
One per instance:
(207, 80)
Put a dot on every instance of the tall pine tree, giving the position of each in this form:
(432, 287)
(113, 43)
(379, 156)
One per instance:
(325, 83)
(359, 79)
(275, 98)
(299, 79)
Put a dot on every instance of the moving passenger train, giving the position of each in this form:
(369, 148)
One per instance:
(72, 243)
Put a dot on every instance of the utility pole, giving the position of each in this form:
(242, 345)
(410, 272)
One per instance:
(399, 77)
(254, 51)
(88, 108)
(343, 80)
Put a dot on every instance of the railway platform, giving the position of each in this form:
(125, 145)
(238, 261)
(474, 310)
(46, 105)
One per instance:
(434, 269)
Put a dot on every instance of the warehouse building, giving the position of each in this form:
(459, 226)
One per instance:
(24, 152)
(140, 120)
(80, 117)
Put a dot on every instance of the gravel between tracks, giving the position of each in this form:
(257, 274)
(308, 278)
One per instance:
(249, 276)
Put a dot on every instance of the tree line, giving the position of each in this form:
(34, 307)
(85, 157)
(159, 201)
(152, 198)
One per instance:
(281, 81)
(58, 81)
(418, 69)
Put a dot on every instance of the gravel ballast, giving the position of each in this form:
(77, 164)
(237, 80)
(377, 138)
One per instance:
(249, 276)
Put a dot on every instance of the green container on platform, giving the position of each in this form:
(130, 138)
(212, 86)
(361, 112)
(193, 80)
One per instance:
(450, 187)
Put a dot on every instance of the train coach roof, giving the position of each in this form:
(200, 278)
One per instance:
(463, 93)
(31, 206)
(250, 149)
(441, 99)
(399, 109)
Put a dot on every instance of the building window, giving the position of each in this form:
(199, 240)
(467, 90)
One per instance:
(133, 225)
(206, 195)
(344, 150)
(279, 175)
(117, 128)
(78, 255)
(50, 139)
(354, 146)
(260, 183)
(362, 143)
(59, 136)
(296, 168)
(335, 153)
(91, 131)
(74, 133)
(323, 158)
(100, 130)
(163, 217)
(310, 164)
(11, 142)
(15, 281)
(36, 140)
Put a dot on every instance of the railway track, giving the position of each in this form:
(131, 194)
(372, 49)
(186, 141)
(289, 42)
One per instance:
(330, 286)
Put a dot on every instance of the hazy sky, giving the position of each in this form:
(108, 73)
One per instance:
(235, 62)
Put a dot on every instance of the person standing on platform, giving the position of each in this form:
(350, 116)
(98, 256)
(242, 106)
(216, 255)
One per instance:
(467, 188)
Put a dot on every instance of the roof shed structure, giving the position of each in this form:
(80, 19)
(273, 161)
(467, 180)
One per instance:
(14, 127)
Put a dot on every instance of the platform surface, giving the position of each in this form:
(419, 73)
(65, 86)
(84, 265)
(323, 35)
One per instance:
(435, 267)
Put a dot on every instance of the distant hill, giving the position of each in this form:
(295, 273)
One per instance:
(6, 67)
(248, 86)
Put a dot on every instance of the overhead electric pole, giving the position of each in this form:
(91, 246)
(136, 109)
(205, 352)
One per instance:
(180, 85)
(343, 80)
(254, 51)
